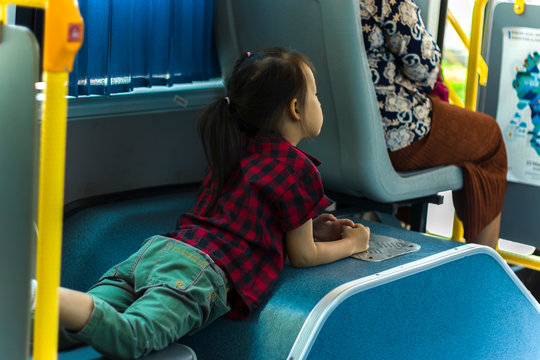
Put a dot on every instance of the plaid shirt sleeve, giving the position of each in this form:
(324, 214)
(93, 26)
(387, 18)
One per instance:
(304, 199)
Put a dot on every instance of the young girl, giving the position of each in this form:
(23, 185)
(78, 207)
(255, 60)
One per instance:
(262, 199)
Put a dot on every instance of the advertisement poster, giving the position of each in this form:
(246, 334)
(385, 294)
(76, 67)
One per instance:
(518, 109)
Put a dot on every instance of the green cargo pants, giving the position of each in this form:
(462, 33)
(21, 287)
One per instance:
(165, 290)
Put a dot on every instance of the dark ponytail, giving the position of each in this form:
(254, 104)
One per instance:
(259, 91)
(222, 141)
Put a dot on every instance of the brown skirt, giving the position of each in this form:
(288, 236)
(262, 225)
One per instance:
(472, 141)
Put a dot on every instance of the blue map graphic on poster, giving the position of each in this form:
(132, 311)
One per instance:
(527, 86)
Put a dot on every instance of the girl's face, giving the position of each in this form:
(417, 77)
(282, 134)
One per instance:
(313, 117)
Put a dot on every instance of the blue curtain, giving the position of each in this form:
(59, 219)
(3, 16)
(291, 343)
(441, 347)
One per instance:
(143, 43)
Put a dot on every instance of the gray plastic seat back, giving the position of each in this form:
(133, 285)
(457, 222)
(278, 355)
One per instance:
(18, 74)
(352, 145)
(430, 11)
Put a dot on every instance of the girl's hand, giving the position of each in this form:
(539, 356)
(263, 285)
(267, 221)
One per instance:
(303, 251)
(359, 235)
(326, 227)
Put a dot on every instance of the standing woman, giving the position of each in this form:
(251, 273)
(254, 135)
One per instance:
(422, 131)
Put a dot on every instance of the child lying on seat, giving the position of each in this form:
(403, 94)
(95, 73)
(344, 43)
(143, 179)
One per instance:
(262, 200)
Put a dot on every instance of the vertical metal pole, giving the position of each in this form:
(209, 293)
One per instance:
(442, 23)
(474, 54)
(50, 213)
(62, 39)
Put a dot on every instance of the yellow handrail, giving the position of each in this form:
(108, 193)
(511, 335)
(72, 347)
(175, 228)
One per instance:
(63, 37)
(474, 54)
(528, 261)
(482, 66)
(453, 96)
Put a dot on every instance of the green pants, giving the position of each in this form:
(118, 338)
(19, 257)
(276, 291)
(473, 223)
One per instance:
(164, 291)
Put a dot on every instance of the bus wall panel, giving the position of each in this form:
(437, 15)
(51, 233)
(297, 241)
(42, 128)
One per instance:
(121, 153)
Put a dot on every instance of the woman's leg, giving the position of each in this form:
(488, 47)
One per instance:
(490, 234)
(472, 141)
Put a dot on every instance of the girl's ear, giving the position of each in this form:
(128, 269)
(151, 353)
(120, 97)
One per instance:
(293, 109)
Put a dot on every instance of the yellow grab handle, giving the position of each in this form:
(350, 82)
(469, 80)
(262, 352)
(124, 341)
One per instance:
(27, 3)
(64, 32)
(3, 14)
(519, 6)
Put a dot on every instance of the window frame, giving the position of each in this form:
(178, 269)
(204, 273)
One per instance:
(158, 99)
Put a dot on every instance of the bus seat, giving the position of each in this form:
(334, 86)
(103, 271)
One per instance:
(120, 227)
(430, 12)
(19, 62)
(446, 300)
(351, 145)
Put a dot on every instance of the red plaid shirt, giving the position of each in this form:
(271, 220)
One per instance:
(277, 190)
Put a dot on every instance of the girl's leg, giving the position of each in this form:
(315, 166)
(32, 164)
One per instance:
(114, 287)
(160, 317)
(76, 307)
(179, 290)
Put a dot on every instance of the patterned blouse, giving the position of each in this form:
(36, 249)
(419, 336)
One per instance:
(404, 61)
